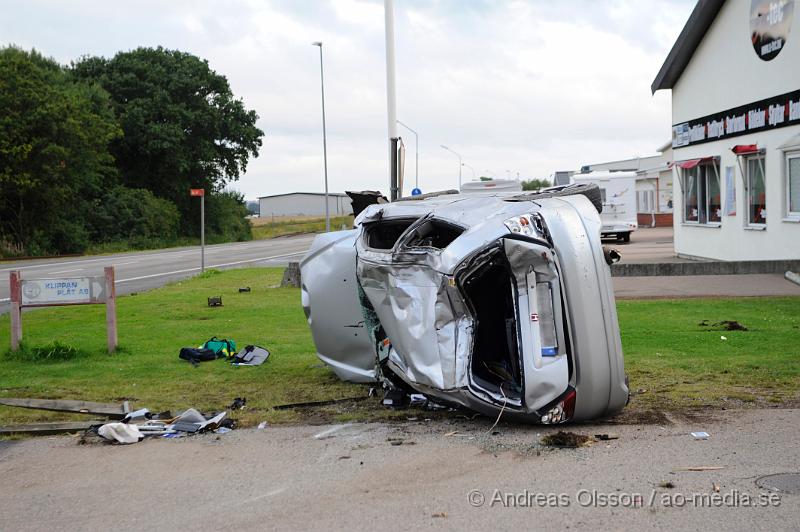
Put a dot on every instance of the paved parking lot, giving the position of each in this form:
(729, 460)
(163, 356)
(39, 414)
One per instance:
(655, 245)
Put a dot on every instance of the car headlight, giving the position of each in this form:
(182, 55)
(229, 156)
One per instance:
(525, 224)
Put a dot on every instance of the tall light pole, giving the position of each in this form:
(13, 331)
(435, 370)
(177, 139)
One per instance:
(416, 154)
(471, 169)
(460, 164)
(391, 99)
(324, 138)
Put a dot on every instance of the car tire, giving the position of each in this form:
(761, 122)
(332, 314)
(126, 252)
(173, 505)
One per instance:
(590, 190)
(626, 237)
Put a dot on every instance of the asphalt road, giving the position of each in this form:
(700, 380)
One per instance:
(139, 271)
(448, 474)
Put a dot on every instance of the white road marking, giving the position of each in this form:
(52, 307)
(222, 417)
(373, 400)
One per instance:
(68, 271)
(145, 255)
(259, 259)
(4, 299)
(124, 263)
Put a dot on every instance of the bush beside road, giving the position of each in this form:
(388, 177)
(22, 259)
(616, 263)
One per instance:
(673, 362)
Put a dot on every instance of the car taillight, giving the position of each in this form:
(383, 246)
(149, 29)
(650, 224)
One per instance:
(562, 411)
(525, 224)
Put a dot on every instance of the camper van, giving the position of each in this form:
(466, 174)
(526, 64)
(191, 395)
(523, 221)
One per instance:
(618, 193)
(492, 185)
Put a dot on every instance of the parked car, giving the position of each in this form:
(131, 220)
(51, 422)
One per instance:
(494, 302)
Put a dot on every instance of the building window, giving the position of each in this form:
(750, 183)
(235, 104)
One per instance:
(793, 184)
(701, 195)
(756, 191)
(645, 201)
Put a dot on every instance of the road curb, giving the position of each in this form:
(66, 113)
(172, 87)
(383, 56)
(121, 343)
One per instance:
(704, 268)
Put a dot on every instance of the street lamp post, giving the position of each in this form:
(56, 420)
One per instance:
(416, 154)
(460, 164)
(324, 138)
(471, 170)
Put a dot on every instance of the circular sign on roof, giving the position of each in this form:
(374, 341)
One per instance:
(770, 22)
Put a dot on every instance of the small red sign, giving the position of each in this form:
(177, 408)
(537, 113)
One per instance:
(534, 317)
(197, 192)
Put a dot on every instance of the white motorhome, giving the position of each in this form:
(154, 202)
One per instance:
(493, 185)
(618, 192)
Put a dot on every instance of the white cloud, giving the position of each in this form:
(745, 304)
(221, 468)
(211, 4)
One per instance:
(525, 86)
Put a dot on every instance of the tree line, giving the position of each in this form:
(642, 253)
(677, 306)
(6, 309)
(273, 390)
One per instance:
(104, 151)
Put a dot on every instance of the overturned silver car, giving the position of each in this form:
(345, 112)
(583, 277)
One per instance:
(495, 302)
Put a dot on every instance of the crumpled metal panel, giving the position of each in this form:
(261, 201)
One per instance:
(407, 301)
(330, 301)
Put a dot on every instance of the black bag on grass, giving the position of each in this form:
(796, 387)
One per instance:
(195, 355)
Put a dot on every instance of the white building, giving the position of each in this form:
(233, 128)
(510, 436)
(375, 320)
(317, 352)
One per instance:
(734, 73)
(304, 204)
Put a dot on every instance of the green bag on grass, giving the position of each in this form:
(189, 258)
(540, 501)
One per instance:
(222, 348)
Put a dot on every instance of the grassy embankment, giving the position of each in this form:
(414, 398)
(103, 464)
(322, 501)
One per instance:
(270, 227)
(679, 363)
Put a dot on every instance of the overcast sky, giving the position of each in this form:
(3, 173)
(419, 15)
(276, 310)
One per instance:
(526, 87)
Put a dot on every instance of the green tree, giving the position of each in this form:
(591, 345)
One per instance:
(183, 127)
(226, 217)
(535, 184)
(134, 216)
(54, 159)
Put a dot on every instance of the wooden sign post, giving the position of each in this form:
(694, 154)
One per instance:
(201, 193)
(60, 292)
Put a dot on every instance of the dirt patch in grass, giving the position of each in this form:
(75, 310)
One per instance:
(725, 325)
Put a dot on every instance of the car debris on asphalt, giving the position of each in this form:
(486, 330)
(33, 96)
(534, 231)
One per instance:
(122, 424)
(501, 303)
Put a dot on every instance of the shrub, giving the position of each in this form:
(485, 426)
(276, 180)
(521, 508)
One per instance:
(134, 215)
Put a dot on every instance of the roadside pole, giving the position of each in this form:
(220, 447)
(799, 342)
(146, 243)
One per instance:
(203, 233)
(111, 308)
(201, 193)
(16, 311)
(391, 99)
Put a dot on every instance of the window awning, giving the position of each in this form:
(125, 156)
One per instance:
(745, 149)
(691, 163)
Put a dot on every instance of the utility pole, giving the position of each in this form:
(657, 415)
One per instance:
(460, 164)
(391, 96)
(416, 154)
(324, 138)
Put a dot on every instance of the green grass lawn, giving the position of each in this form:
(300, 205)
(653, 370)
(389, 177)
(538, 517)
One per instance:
(679, 363)
(264, 228)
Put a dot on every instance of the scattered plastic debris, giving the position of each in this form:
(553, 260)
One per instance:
(239, 403)
(700, 435)
(263, 425)
(606, 437)
(325, 434)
